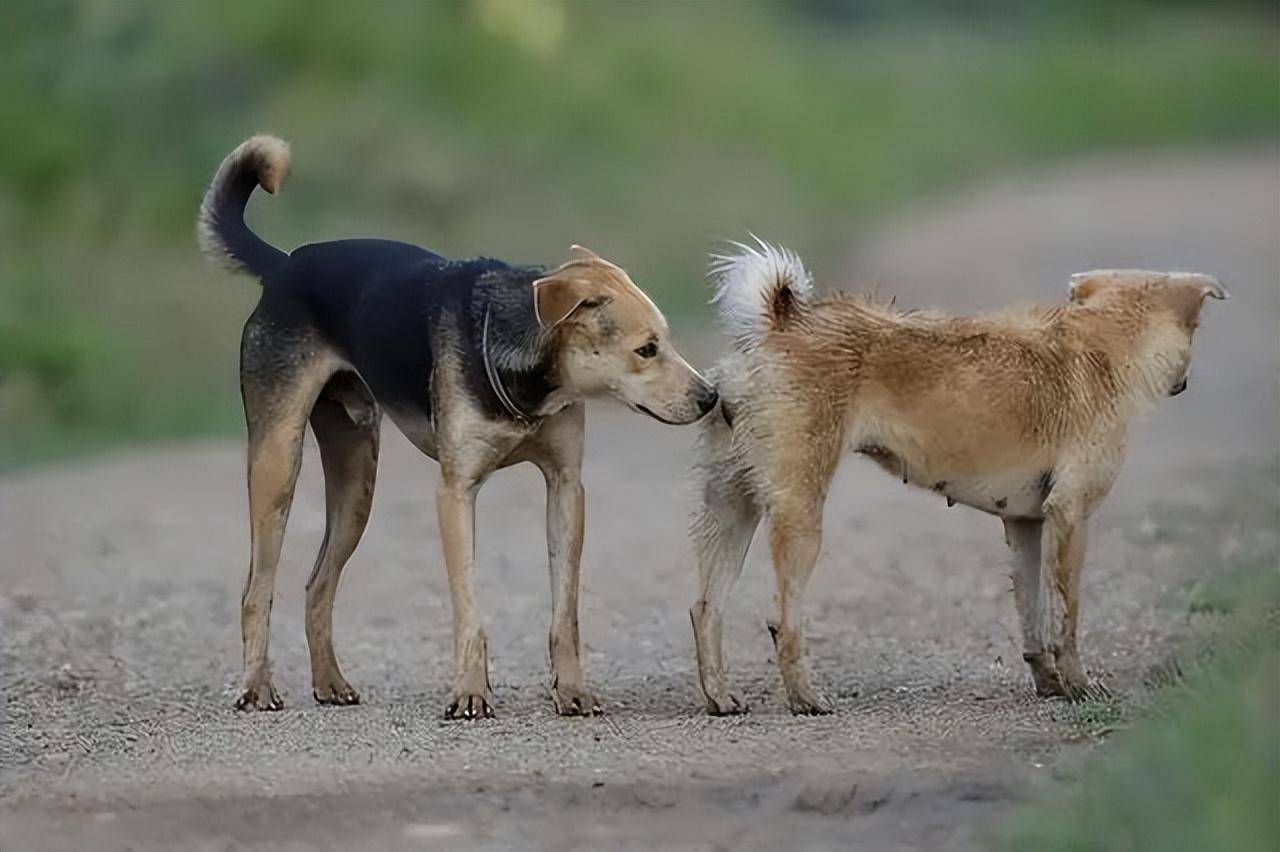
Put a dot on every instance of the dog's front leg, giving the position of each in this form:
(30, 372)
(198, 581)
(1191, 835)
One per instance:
(455, 505)
(565, 514)
(557, 451)
(1063, 545)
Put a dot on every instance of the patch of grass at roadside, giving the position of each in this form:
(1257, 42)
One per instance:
(1242, 587)
(1200, 767)
(1099, 715)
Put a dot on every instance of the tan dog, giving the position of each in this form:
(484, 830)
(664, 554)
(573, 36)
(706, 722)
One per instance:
(482, 365)
(1020, 415)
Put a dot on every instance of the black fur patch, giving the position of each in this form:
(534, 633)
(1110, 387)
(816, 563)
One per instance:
(390, 307)
(784, 303)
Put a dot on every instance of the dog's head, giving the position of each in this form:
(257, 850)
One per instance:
(1162, 311)
(612, 339)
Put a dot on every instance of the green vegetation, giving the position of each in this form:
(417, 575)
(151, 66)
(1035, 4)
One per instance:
(1199, 768)
(645, 131)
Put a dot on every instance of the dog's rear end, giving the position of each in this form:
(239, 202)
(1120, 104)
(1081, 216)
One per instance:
(289, 376)
(771, 448)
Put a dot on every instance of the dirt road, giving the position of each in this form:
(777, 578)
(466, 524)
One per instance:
(120, 578)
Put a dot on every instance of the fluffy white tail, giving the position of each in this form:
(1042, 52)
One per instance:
(758, 289)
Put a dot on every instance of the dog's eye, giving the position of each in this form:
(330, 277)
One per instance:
(648, 350)
(589, 303)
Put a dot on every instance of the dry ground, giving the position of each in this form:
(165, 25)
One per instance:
(120, 578)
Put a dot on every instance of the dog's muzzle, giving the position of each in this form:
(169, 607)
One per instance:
(1179, 387)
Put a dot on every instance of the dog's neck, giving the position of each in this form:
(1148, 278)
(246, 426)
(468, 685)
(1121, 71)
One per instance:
(517, 354)
(1139, 373)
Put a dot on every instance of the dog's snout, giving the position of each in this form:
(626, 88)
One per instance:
(1179, 387)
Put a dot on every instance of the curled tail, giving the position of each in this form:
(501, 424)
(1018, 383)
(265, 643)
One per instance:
(220, 229)
(758, 290)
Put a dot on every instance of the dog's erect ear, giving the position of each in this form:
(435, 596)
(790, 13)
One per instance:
(1081, 285)
(1209, 286)
(577, 252)
(558, 295)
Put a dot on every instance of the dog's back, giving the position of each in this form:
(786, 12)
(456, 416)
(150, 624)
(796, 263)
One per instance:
(976, 408)
(376, 306)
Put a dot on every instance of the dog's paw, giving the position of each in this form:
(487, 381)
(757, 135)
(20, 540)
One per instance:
(1044, 673)
(1090, 691)
(809, 703)
(1077, 686)
(263, 696)
(574, 701)
(1075, 682)
(725, 705)
(470, 705)
(338, 693)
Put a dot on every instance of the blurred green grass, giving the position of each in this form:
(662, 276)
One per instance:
(645, 131)
(1199, 766)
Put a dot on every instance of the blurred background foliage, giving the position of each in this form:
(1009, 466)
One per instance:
(647, 131)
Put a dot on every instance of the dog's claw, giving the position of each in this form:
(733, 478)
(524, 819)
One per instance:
(469, 707)
(1044, 673)
(574, 701)
(810, 705)
(727, 706)
(1088, 691)
(338, 696)
(262, 697)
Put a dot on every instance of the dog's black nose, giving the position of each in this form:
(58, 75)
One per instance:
(709, 399)
(1179, 387)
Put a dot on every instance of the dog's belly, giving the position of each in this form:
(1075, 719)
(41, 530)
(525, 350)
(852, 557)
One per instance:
(1010, 494)
(416, 426)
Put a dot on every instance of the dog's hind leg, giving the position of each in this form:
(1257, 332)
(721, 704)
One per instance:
(804, 450)
(280, 380)
(723, 527)
(1023, 536)
(345, 421)
(795, 538)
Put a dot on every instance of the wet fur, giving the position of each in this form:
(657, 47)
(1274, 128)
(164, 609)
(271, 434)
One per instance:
(1021, 414)
(481, 364)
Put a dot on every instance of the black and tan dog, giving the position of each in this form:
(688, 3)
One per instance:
(481, 365)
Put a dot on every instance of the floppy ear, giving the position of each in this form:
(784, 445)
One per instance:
(558, 295)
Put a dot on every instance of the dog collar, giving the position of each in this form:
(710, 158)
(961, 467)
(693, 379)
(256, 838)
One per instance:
(495, 381)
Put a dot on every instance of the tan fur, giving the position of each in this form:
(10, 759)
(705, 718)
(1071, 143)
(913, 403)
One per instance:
(1023, 415)
(598, 347)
